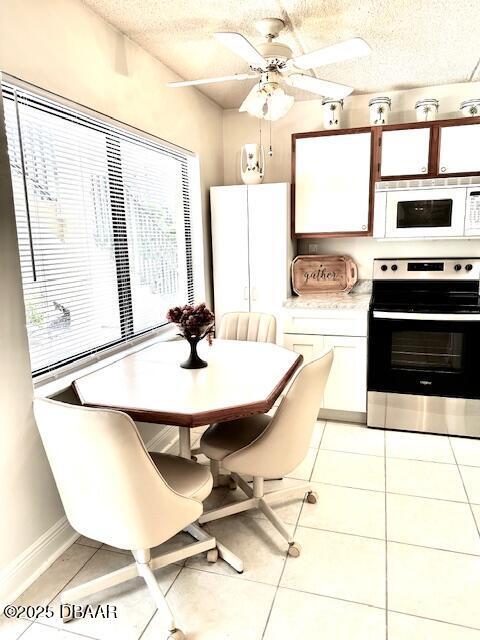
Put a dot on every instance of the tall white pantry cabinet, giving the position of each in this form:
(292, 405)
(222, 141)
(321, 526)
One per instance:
(252, 249)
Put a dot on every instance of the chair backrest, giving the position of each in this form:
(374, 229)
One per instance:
(285, 442)
(110, 488)
(244, 325)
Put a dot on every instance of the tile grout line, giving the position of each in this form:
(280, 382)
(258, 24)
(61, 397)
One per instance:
(452, 624)
(406, 544)
(294, 532)
(393, 493)
(72, 633)
(464, 487)
(379, 455)
(386, 531)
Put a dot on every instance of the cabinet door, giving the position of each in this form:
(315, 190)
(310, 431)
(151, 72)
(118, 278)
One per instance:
(230, 249)
(332, 183)
(268, 233)
(309, 346)
(459, 149)
(346, 388)
(405, 152)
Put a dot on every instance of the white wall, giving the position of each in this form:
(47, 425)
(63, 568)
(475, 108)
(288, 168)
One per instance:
(240, 128)
(63, 47)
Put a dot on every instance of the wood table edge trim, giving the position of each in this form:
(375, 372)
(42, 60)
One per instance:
(205, 417)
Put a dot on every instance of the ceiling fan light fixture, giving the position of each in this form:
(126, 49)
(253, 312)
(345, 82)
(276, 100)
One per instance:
(267, 100)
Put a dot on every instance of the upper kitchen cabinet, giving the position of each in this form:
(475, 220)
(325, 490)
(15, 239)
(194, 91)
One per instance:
(405, 152)
(459, 149)
(332, 175)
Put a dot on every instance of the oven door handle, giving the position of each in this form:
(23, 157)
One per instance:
(458, 317)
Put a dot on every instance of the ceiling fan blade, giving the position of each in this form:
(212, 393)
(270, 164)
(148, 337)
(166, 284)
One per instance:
(239, 45)
(322, 87)
(190, 83)
(353, 48)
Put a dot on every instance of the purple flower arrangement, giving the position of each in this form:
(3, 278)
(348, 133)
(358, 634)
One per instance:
(193, 322)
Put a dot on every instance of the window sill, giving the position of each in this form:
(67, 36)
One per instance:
(49, 386)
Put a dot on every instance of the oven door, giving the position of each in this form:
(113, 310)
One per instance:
(425, 213)
(424, 354)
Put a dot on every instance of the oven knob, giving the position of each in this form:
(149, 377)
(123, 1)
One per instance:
(468, 267)
(384, 267)
(457, 267)
(394, 267)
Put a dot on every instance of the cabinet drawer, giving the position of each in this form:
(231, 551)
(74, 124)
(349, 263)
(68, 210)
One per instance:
(347, 323)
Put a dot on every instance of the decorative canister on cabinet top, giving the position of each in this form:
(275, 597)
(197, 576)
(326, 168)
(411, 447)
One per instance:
(332, 113)
(470, 108)
(379, 110)
(252, 164)
(426, 109)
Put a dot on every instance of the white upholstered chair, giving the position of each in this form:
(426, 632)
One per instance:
(249, 326)
(270, 447)
(114, 491)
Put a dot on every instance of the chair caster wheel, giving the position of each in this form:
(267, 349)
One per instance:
(176, 635)
(232, 484)
(312, 497)
(194, 458)
(294, 550)
(212, 555)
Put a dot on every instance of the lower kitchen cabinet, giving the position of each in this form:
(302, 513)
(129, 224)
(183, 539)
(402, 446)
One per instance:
(346, 387)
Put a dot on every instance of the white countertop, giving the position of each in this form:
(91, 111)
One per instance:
(358, 299)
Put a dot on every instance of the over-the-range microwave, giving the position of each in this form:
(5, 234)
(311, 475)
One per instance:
(435, 208)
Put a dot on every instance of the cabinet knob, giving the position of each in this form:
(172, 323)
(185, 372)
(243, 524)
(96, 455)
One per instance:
(364, 227)
(424, 169)
(443, 169)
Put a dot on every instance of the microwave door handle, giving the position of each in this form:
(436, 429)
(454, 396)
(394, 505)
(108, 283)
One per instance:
(458, 317)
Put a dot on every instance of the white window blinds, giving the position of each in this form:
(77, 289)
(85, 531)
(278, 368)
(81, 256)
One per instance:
(103, 223)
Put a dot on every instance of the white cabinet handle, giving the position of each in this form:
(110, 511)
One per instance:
(245, 293)
(254, 293)
(443, 169)
(364, 226)
(424, 169)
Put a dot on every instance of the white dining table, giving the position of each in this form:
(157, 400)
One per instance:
(241, 379)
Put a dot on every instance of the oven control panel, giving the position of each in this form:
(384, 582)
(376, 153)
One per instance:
(426, 269)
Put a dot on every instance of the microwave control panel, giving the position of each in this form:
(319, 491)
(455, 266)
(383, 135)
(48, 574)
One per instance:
(472, 217)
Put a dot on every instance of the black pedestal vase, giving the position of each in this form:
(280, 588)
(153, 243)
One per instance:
(193, 361)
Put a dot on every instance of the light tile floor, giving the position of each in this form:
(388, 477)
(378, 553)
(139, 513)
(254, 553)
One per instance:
(391, 551)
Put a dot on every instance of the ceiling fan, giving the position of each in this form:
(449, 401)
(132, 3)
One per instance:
(273, 63)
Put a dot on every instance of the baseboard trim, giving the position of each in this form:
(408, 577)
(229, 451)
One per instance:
(36, 559)
(342, 416)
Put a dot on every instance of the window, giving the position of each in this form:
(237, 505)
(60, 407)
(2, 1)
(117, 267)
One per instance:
(103, 224)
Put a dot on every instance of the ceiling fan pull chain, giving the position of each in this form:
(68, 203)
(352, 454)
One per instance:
(270, 150)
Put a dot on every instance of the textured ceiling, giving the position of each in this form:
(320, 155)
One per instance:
(415, 42)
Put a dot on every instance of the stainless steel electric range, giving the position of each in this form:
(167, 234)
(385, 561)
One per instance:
(424, 346)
